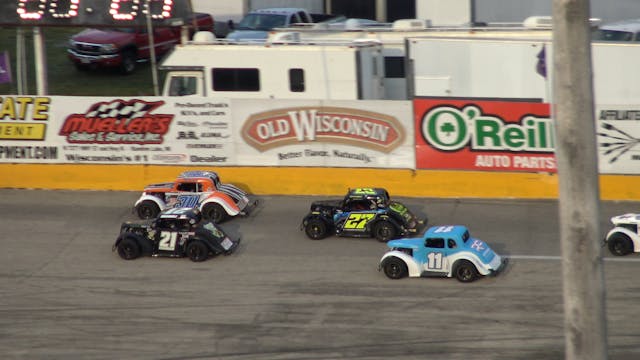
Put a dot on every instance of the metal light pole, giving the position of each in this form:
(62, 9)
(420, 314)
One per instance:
(21, 63)
(152, 51)
(579, 193)
(40, 62)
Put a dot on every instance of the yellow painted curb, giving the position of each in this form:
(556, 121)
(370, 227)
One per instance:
(314, 181)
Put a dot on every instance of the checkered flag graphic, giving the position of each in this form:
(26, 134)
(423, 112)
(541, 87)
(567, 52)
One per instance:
(119, 109)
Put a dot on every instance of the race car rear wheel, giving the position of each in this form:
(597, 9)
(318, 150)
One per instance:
(214, 212)
(197, 251)
(128, 249)
(147, 210)
(395, 268)
(316, 229)
(620, 244)
(465, 271)
(384, 231)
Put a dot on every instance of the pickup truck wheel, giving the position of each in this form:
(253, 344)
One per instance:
(128, 249)
(620, 245)
(316, 229)
(465, 271)
(394, 268)
(214, 212)
(197, 251)
(128, 64)
(147, 210)
(81, 67)
(384, 231)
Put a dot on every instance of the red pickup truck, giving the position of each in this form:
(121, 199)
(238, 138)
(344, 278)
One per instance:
(122, 48)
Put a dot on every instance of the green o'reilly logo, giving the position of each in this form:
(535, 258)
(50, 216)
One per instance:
(447, 128)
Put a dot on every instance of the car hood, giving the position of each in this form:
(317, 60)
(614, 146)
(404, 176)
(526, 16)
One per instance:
(402, 212)
(211, 232)
(630, 218)
(480, 249)
(96, 36)
(237, 194)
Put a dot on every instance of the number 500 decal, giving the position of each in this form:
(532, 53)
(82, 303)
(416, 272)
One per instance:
(358, 221)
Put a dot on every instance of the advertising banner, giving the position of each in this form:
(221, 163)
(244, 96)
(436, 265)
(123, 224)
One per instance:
(484, 135)
(376, 134)
(153, 130)
(197, 130)
(618, 136)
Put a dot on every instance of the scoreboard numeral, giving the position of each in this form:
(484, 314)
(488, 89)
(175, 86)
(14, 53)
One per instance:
(64, 9)
(124, 9)
(31, 9)
(117, 10)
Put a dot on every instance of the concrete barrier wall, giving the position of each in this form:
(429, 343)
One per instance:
(314, 181)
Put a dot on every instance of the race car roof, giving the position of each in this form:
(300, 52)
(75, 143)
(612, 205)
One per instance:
(447, 231)
(363, 193)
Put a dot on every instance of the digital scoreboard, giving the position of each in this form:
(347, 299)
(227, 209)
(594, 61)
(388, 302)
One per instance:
(90, 12)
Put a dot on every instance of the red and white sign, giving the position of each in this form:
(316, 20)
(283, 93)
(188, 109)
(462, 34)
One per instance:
(484, 135)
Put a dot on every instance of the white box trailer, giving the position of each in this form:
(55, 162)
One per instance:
(511, 69)
(392, 36)
(479, 68)
(286, 70)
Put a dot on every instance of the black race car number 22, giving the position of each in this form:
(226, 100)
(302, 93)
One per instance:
(358, 221)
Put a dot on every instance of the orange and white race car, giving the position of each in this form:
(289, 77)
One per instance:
(195, 189)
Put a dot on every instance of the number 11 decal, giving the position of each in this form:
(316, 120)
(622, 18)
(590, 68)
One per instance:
(434, 261)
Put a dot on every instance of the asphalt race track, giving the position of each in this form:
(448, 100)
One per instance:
(66, 295)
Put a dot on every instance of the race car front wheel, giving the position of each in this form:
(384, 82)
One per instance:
(128, 249)
(214, 212)
(197, 251)
(620, 245)
(316, 229)
(394, 268)
(384, 231)
(465, 271)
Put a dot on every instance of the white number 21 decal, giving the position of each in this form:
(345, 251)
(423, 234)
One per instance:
(167, 240)
(434, 260)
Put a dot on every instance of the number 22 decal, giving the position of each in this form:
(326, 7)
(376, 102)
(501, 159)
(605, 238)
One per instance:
(167, 240)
